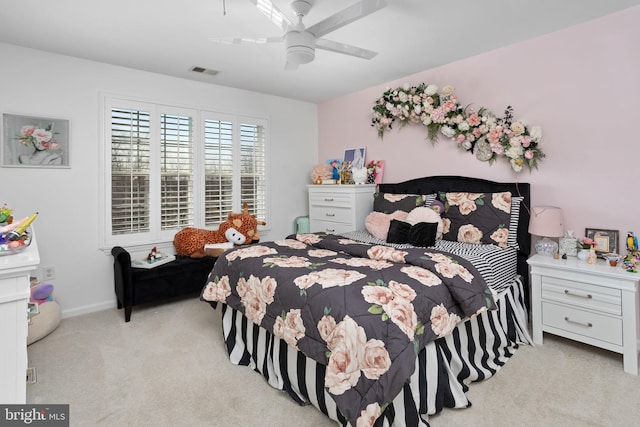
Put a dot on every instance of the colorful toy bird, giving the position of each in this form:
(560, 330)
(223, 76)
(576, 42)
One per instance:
(632, 241)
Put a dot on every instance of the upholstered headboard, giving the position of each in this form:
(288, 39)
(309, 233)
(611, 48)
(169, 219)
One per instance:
(434, 184)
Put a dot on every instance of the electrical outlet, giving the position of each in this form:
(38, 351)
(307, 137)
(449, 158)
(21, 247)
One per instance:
(48, 272)
(31, 376)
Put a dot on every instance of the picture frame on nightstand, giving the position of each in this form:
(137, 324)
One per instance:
(606, 240)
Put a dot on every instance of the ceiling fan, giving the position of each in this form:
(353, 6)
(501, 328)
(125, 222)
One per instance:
(300, 41)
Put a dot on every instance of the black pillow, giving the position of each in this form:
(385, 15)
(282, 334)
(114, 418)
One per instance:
(398, 232)
(421, 234)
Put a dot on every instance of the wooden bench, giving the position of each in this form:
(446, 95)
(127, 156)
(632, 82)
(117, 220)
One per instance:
(135, 286)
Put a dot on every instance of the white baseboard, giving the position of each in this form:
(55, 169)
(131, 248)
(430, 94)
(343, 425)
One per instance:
(92, 308)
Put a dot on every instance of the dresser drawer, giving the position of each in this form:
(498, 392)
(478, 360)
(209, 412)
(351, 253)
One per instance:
(333, 214)
(331, 200)
(584, 295)
(330, 227)
(585, 323)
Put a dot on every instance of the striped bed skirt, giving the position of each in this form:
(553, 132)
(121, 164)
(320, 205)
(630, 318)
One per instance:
(474, 351)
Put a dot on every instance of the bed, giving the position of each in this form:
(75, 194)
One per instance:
(385, 334)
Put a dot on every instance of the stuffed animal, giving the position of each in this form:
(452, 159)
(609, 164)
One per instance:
(49, 314)
(239, 229)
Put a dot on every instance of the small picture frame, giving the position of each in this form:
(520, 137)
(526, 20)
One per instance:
(355, 157)
(606, 240)
(335, 167)
(34, 142)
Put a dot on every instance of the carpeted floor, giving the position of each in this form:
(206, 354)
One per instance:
(169, 367)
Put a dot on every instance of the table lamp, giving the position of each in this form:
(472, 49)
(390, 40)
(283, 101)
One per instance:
(546, 222)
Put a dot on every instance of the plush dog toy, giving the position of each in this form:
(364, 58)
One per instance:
(238, 229)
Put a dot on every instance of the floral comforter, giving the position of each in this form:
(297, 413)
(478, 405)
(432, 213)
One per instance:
(362, 310)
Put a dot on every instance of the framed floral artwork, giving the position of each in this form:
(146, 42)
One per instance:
(31, 141)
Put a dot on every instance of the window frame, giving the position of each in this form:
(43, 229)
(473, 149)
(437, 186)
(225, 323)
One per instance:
(157, 236)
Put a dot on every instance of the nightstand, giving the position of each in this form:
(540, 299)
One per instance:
(339, 208)
(592, 303)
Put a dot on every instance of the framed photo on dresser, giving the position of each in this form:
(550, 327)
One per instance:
(606, 240)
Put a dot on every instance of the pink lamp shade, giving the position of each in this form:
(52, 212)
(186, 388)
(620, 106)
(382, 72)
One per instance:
(546, 221)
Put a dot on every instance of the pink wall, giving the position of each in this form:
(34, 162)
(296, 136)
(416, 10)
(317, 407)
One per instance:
(581, 85)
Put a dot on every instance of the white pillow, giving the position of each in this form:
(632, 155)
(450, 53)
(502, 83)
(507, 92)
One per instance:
(426, 214)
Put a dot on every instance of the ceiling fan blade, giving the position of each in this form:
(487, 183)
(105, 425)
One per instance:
(344, 48)
(246, 40)
(346, 16)
(274, 14)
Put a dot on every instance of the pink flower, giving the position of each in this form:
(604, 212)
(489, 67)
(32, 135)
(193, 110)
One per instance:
(443, 322)
(494, 135)
(369, 415)
(27, 130)
(376, 359)
(450, 105)
(529, 154)
(438, 115)
(474, 119)
(42, 135)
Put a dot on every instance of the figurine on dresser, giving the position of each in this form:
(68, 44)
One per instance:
(632, 260)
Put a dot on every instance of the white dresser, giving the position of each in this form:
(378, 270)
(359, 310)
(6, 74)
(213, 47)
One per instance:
(14, 296)
(592, 303)
(339, 208)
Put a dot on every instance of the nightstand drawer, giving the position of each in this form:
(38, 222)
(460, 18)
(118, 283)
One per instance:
(331, 200)
(593, 325)
(330, 227)
(578, 294)
(333, 214)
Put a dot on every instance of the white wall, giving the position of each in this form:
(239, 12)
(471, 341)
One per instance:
(67, 229)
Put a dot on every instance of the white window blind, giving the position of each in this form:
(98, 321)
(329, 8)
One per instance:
(253, 169)
(130, 144)
(176, 171)
(218, 162)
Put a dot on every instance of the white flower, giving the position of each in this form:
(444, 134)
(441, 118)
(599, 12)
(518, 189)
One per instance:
(406, 86)
(403, 97)
(514, 152)
(448, 131)
(516, 165)
(426, 120)
(448, 90)
(536, 133)
(431, 90)
(466, 145)
(463, 126)
(517, 128)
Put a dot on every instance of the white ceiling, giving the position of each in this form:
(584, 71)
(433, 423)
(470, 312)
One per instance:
(170, 37)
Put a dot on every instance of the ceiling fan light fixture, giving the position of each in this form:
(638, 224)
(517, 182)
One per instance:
(301, 47)
(300, 54)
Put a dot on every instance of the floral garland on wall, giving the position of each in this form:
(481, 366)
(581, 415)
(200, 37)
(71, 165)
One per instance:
(478, 132)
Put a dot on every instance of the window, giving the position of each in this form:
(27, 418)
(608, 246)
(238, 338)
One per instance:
(167, 168)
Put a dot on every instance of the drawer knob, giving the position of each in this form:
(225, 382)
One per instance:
(328, 199)
(568, 292)
(330, 214)
(331, 230)
(585, 324)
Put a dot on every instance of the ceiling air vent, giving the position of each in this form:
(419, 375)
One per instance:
(202, 70)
